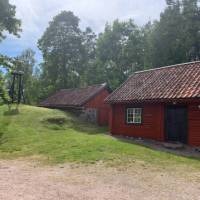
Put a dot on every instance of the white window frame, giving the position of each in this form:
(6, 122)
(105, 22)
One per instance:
(134, 115)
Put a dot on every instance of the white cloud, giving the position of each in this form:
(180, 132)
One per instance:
(35, 15)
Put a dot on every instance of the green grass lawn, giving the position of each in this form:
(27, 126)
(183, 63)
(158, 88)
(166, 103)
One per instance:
(60, 137)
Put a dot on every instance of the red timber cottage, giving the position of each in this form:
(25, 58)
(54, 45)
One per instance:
(87, 102)
(161, 104)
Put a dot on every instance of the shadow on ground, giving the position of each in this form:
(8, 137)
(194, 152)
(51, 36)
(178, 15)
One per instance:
(11, 112)
(73, 122)
(187, 151)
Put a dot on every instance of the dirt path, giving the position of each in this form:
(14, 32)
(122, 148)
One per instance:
(25, 180)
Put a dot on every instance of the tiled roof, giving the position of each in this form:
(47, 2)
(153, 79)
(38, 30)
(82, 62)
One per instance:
(75, 97)
(172, 82)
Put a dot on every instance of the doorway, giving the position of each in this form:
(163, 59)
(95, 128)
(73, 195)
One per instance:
(176, 124)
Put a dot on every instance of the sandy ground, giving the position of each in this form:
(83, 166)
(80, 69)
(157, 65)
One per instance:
(29, 180)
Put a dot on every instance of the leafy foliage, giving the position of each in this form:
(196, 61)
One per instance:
(66, 50)
(176, 37)
(8, 22)
(4, 97)
(119, 51)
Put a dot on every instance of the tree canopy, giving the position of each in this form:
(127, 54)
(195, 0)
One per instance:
(176, 36)
(119, 52)
(66, 50)
(8, 21)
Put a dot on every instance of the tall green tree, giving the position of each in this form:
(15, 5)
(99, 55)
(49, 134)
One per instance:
(147, 31)
(119, 52)
(89, 38)
(64, 47)
(167, 43)
(191, 28)
(176, 37)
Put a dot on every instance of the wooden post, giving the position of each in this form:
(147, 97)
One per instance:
(19, 89)
(17, 75)
(13, 88)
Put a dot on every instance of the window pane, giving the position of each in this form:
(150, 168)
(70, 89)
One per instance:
(134, 115)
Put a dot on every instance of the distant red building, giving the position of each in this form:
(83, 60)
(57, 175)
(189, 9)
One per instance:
(161, 104)
(88, 102)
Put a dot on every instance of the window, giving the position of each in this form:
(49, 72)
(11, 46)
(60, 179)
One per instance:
(134, 115)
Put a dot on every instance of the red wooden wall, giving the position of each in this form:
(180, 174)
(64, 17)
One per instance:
(103, 109)
(152, 126)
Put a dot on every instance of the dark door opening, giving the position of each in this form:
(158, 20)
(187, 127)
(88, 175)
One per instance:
(176, 123)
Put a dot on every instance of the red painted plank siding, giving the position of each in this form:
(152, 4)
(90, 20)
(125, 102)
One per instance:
(194, 125)
(102, 108)
(152, 124)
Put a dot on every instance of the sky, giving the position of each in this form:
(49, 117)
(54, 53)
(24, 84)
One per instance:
(36, 14)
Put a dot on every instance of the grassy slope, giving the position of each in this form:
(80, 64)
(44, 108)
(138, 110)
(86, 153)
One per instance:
(28, 133)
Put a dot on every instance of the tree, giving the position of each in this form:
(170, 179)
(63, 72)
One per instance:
(147, 31)
(64, 52)
(119, 52)
(89, 38)
(167, 44)
(191, 26)
(176, 36)
(8, 21)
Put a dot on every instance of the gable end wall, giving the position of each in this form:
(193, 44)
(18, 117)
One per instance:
(102, 108)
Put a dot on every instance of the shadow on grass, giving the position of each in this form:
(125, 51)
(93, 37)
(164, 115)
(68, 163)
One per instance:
(2, 139)
(73, 122)
(4, 125)
(11, 112)
(79, 125)
(1, 134)
(86, 127)
(188, 153)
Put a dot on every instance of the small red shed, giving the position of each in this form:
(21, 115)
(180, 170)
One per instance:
(161, 104)
(87, 102)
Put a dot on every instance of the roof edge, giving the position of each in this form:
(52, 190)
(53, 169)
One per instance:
(77, 88)
(169, 66)
(101, 87)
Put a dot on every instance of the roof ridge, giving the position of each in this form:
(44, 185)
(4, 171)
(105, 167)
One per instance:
(165, 67)
(76, 96)
(78, 88)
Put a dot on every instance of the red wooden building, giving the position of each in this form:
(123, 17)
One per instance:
(87, 102)
(161, 104)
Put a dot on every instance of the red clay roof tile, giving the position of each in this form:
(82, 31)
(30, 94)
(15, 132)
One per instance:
(172, 82)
